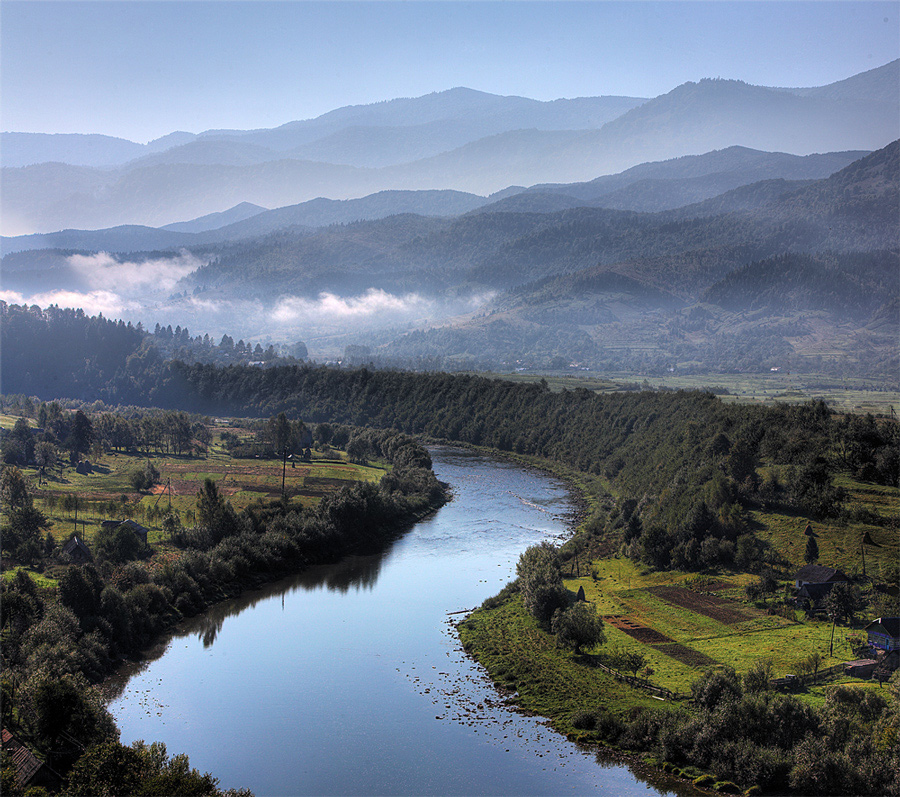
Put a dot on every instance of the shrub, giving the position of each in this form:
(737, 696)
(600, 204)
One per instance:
(584, 720)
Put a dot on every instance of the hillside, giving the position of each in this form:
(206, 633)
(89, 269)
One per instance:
(460, 139)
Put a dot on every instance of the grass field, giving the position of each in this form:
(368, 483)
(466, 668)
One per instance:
(846, 395)
(737, 634)
(523, 658)
(106, 491)
(874, 509)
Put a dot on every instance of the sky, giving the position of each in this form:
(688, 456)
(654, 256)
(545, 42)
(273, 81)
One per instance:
(140, 70)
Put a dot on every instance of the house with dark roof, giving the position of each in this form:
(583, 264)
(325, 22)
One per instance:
(78, 551)
(140, 531)
(813, 583)
(30, 770)
(819, 574)
(884, 633)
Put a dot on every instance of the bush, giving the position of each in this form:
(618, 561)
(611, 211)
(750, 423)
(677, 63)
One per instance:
(584, 720)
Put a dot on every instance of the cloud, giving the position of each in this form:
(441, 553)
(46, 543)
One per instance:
(103, 271)
(11, 297)
(330, 307)
(106, 302)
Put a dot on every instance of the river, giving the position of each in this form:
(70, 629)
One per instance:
(349, 679)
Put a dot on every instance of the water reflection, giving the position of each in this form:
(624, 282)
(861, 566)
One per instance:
(351, 677)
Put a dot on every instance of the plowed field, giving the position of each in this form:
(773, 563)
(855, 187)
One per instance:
(721, 609)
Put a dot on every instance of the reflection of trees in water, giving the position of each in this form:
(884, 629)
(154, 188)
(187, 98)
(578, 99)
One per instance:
(359, 572)
(642, 773)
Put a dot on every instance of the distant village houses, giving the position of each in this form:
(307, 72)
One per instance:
(77, 550)
(140, 531)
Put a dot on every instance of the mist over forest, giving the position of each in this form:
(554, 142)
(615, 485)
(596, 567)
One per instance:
(696, 231)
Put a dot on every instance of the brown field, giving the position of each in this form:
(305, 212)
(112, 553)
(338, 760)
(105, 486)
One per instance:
(641, 633)
(722, 610)
(686, 655)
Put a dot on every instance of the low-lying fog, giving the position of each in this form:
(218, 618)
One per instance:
(160, 291)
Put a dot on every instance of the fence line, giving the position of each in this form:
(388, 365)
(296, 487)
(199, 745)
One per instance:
(641, 683)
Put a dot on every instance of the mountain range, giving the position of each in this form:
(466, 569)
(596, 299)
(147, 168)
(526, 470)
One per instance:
(459, 140)
(720, 226)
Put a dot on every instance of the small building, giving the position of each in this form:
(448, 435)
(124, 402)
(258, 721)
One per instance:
(30, 770)
(884, 633)
(861, 668)
(78, 551)
(140, 531)
(819, 574)
(815, 594)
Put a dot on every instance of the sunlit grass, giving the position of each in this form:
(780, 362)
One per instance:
(241, 481)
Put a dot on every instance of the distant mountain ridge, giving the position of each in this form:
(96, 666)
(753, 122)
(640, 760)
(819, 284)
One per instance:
(649, 187)
(460, 139)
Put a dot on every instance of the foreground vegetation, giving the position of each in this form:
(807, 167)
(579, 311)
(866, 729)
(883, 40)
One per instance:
(66, 623)
(685, 494)
(681, 667)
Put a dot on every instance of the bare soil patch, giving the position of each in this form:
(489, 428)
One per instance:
(642, 633)
(324, 481)
(723, 610)
(686, 655)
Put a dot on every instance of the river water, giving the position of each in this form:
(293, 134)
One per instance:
(349, 679)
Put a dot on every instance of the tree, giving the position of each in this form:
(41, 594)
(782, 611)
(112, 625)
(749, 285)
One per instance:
(758, 677)
(280, 433)
(81, 434)
(323, 434)
(578, 626)
(18, 447)
(45, 456)
(21, 531)
(540, 581)
(106, 770)
(843, 602)
(812, 550)
(215, 515)
(631, 661)
(357, 450)
(118, 544)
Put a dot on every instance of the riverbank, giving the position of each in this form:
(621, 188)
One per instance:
(352, 679)
(64, 638)
(690, 633)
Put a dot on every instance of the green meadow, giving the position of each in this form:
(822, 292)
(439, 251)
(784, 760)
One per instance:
(73, 501)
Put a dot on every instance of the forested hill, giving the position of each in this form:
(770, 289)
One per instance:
(63, 352)
(688, 458)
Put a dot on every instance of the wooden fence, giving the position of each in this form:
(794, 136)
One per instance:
(799, 680)
(642, 683)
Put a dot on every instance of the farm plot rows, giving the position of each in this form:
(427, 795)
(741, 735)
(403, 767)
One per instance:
(681, 631)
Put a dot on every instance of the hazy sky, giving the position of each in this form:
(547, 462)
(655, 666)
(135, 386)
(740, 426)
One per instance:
(143, 69)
